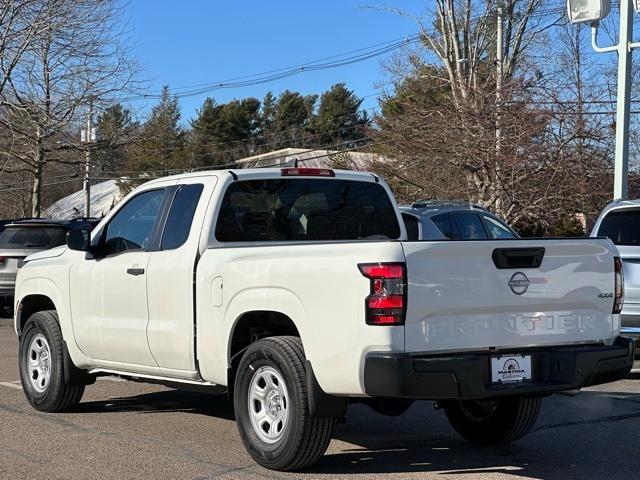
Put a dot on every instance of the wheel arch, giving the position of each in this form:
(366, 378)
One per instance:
(254, 325)
(30, 304)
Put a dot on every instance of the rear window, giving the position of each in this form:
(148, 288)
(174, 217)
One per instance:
(24, 237)
(306, 210)
(496, 228)
(446, 226)
(183, 208)
(622, 227)
(469, 226)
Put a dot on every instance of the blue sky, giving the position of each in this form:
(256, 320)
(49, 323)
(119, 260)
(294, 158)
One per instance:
(197, 41)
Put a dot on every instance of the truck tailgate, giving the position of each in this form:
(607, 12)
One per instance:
(476, 295)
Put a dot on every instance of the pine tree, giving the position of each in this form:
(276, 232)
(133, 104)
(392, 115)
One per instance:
(114, 131)
(339, 118)
(204, 128)
(224, 133)
(267, 113)
(161, 145)
(292, 119)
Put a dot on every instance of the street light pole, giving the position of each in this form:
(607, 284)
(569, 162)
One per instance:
(621, 170)
(623, 100)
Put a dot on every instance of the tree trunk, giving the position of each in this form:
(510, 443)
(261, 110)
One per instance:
(36, 192)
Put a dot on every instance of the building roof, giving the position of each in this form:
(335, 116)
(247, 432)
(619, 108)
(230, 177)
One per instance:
(313, 158)
(103, 197)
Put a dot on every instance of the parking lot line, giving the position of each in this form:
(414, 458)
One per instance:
(15, 384)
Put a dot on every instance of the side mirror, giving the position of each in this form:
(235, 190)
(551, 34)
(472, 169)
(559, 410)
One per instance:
(79, 239)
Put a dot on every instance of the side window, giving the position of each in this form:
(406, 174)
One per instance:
(446, 226)
(178, 226)
(470, 226)
(496, 229)
(131, 227)
(411, 224)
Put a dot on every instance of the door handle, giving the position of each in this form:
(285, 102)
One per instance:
(135, 271)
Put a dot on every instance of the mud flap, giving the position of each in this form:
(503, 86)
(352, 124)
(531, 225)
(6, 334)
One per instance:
(72, 374)
(321, 404)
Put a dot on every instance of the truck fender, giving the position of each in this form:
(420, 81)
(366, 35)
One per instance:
(47, 288)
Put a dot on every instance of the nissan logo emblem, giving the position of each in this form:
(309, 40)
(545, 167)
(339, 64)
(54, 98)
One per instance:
(519, 283)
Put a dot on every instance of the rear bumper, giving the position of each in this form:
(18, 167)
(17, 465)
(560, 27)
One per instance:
(468, 376)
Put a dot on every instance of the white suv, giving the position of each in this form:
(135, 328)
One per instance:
(620, 221)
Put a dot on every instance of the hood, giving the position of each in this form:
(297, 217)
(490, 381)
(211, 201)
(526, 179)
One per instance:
(53, 252)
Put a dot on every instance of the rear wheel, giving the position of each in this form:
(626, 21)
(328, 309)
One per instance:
(272, 409)
(493, 421)
(41, 355)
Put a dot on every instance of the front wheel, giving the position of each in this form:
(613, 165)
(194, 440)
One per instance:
(272, 409)
(493, 421)
(41, 356)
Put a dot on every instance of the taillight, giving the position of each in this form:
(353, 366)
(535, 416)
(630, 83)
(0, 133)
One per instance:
(619, 286)
(2, 260)
(387, 302)
(307, 172)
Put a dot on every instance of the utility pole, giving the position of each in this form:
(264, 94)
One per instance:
(88, 136)
(499, 74)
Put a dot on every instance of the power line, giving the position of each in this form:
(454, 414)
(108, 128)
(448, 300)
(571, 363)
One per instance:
(333, 61)
(341, 60)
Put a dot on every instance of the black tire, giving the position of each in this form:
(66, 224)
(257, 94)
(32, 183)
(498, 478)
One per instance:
(57, 395)
(304, 438)
(495, 421)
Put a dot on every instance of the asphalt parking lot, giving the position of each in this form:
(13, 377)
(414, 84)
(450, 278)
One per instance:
(127, 430)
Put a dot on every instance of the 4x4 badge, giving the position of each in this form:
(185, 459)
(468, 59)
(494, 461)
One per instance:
(519, 283)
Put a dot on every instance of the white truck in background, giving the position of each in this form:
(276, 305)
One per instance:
(297, 290)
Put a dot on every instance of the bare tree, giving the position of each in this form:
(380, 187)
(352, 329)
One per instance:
(78, 57)
(20, 23)
(443, 117)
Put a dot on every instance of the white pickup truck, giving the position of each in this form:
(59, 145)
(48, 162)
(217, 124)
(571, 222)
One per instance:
(296, 290)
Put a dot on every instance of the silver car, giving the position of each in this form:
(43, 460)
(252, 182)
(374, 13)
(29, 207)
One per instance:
(620, 221)
(448, 220)
(19, 239)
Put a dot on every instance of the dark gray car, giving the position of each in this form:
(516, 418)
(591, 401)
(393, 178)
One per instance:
(445, 220)
(18, 240)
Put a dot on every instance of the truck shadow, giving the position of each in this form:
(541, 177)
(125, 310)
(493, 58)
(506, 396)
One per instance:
(165, 401)
(574, 438)
(588, 436)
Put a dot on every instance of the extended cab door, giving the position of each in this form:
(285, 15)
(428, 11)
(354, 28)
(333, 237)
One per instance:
(170, 278)
(109, 292)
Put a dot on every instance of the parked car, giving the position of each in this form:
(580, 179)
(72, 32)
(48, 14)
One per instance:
(20, 238)
(297, 290)
(6, 221)
(441, 220)
(620, 221)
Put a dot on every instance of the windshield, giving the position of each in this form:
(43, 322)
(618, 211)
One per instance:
(25, 237)
(622, 227)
